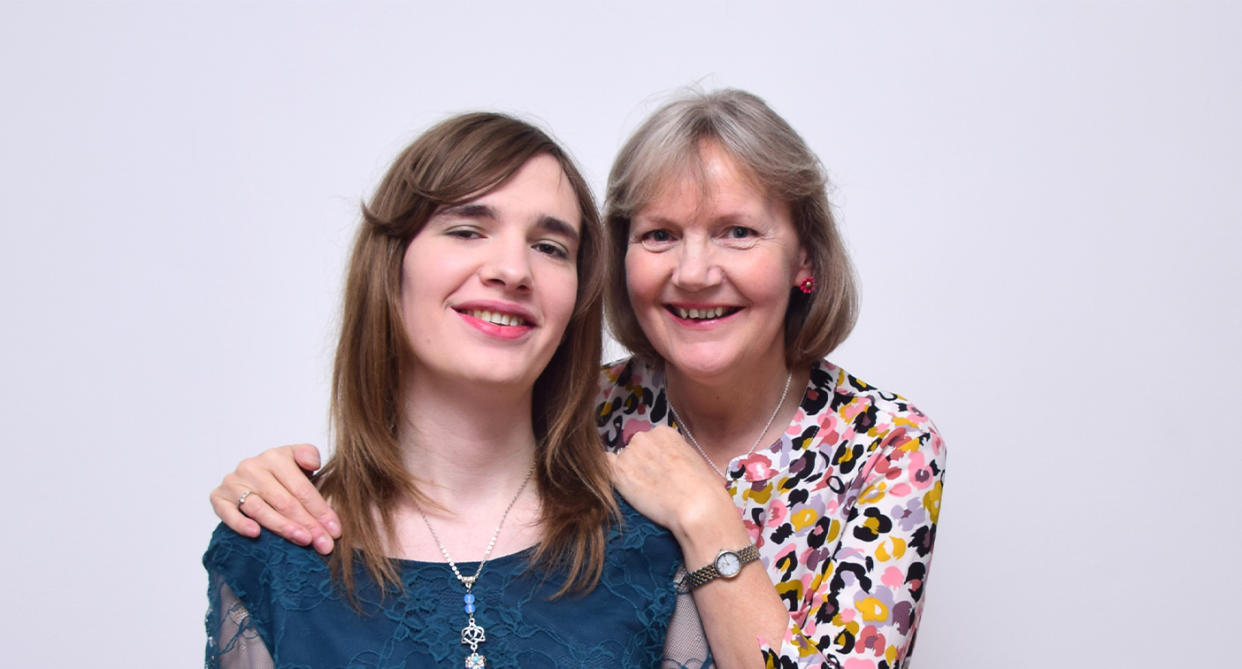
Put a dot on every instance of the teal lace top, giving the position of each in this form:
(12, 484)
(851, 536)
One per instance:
(274, 604)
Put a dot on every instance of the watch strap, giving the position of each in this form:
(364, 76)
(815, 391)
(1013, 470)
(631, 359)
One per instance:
(704, 575)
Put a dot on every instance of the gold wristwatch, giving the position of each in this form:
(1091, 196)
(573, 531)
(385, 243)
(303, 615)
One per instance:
(728, 564)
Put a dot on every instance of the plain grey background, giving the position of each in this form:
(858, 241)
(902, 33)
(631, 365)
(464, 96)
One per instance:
(1041, 199)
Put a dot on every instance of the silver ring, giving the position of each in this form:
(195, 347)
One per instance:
(242, 500)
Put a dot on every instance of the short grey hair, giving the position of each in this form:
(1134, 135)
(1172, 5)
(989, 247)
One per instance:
(668, 143)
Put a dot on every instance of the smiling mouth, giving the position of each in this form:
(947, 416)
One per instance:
(496, 317)
(703, 314)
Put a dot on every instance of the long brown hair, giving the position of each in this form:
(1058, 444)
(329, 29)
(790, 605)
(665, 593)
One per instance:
(456, 160)
(764, 144)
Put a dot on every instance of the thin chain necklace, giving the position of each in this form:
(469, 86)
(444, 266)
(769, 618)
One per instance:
(473, 634)
(685, 427)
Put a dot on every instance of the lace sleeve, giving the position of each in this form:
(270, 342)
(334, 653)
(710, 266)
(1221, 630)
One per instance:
(238, 612)
(233, 641)
(685, 646)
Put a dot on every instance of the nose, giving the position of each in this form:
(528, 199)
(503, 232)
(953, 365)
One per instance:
(508, 264)
(696, 265)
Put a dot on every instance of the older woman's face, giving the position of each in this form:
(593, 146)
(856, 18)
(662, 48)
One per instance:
(710, 267)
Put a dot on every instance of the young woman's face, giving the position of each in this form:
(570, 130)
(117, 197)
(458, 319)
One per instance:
(710, 267)
(488, 286)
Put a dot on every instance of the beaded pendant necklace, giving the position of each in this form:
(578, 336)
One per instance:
(473, 634)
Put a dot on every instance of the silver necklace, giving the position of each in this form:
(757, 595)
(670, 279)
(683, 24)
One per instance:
(473, 634)
(685, 427)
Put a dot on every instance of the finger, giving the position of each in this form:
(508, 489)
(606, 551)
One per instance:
(303, 503)
(617, 474)
(258, 509)
(287, 517)
(640, 430)
(307, 458)
(635, 444)
(614, 463)
(628, 474)
(226, 509)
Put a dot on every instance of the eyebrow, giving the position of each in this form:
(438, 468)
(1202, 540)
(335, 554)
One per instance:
(557, 226)
(729, 218)
(468, 210)
(475, 210)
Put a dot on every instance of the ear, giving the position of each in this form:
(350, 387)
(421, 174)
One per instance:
(804, 268)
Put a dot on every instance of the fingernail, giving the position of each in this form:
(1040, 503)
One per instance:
(323, 544)
(300, 536)
(334, 528)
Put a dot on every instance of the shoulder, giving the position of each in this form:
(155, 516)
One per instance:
(637, 586)
(632, 524)
(266, 559)
(616, 367)
(631, 399)
(626, 375)
(866, 414)
(867, 406)
(636, 536)
(266, 547)
(228, 547)
(268, 576)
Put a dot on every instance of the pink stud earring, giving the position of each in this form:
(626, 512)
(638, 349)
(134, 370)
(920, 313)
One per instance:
(808, 285)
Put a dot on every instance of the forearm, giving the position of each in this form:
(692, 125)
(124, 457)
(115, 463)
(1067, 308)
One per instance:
(867, 599)
(738, 613)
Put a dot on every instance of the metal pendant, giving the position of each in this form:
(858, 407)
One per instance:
(472, 635)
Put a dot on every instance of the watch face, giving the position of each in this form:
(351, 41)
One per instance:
(728, 564)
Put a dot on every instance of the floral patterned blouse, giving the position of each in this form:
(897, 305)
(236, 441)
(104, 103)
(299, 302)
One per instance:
(843, 509)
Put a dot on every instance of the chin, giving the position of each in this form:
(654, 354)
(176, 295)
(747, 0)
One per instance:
(498, 376)
(699, 364)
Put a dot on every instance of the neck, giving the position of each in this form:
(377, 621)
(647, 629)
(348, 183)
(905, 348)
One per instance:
(456, 443)
(469, 456)
(726, 415)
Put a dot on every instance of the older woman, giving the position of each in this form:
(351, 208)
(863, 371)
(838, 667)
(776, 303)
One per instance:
(736, 287)
(466, 465)
(738, 435)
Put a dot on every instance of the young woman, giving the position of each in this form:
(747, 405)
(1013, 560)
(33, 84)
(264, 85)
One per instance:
(738, 435)
(478, 514)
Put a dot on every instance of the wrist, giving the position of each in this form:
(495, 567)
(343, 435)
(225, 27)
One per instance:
(707, 525)
(727, 565)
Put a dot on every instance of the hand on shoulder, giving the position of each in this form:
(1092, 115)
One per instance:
(273, 491)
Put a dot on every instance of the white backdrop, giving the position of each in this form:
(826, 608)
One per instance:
(1042, 202)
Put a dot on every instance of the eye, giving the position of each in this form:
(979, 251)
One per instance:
(656, 240)
(464, 233)
(739, 236)
(552, 249)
